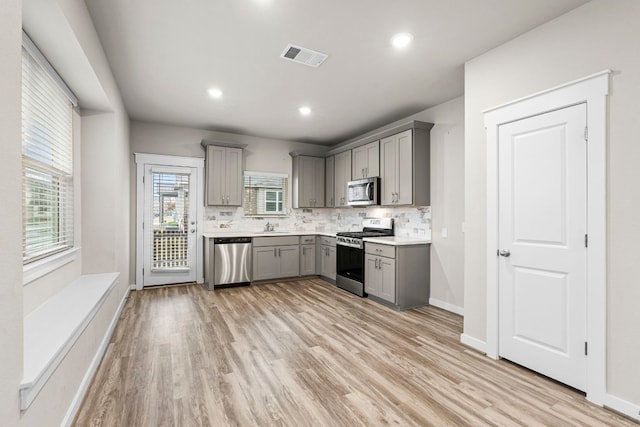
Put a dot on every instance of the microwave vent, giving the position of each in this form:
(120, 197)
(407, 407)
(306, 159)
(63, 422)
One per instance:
(302, 55)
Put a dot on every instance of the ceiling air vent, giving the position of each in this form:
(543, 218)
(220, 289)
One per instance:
(303, 55)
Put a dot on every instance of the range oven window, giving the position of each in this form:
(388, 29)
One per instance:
(350, 263)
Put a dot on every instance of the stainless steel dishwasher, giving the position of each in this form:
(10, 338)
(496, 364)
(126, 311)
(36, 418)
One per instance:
(231, 261)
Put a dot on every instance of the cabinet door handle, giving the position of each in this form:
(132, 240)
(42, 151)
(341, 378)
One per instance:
(275, 253)
(279, 252)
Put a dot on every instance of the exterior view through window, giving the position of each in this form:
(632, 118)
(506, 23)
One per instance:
(265, 194)
(170, 221)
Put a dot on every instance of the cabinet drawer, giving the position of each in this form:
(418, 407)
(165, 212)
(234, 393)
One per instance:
(378, 249)
(307, 240)
(275, 241)
(329, 241)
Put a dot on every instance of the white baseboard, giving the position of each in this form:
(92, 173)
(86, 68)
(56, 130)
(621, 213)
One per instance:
(93, 367)
(474, 343)
(446, 306)
(620, 405)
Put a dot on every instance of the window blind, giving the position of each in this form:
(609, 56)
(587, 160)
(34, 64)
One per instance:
(47, 162)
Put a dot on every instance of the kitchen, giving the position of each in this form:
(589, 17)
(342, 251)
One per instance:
(505, 71)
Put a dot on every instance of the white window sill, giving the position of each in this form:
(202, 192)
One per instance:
(45, 266)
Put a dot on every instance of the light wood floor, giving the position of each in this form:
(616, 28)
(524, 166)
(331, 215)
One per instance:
(306, 353)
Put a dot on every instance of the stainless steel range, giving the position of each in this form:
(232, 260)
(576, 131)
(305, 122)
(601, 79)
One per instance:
(350, 253)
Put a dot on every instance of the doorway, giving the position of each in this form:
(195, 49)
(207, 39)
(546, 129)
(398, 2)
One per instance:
(592, 92)
(170, 205)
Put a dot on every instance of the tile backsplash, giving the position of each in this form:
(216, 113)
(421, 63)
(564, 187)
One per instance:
(408, 221)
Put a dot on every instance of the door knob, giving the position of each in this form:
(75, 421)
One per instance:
(504, 252)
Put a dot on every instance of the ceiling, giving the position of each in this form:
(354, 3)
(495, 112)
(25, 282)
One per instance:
(166, 54)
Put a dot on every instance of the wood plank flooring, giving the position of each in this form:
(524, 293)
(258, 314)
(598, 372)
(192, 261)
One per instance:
(304, 353)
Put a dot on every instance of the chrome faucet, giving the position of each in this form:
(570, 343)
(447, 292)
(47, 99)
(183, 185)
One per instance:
(268, 227)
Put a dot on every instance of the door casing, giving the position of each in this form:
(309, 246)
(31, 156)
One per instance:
(143, 159)
(592, 90)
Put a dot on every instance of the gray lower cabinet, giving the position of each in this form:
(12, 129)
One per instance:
(328, 257)
(307, 255)
(276, 257)
(380, 277)
(397, 275)
(307, 260)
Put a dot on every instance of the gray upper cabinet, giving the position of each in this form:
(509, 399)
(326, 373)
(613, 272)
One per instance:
(329, 180)
(308, 182)
(342, 177)
(224, 176)
(365, 161)
(404, 168)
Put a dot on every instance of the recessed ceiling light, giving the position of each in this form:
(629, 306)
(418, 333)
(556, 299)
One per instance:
(401, 40)
(214, 92)
(305, 111)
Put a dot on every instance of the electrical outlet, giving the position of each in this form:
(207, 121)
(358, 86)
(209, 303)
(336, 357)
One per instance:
(444, 232)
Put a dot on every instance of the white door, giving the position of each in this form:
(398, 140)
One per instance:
(542, 234)
(169, 228)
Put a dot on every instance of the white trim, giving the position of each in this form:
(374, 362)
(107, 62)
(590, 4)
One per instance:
(548, 91)
(93, 367)
(624, 407)
(143, 159)
(446, 306)
(37, 269)
(474, 343)
(163, 160)
(593, 91)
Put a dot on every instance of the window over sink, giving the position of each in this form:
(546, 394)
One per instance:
(265, 194)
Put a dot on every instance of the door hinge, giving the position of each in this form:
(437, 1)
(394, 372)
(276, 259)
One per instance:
(585, 348)
(143, 179)
(586, 133)
(586, 240)
(143, 271)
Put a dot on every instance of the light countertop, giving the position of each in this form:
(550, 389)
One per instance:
(398, 240)
(390, 240)
(244, 233)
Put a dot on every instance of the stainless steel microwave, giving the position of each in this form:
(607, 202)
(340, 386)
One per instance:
(364, 192)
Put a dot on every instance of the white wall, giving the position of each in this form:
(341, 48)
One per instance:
(11, 224)
(599, 35)
(64, 32)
